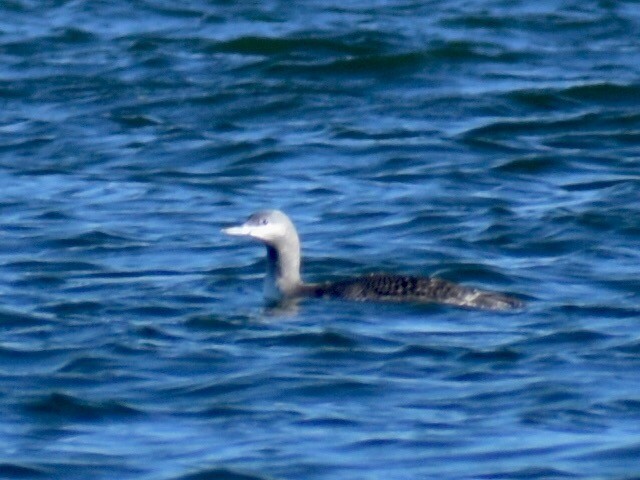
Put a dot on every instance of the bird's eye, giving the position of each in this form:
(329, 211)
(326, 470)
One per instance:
(264, 221)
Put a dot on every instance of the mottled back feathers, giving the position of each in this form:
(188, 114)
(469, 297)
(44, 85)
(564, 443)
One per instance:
(402, 288)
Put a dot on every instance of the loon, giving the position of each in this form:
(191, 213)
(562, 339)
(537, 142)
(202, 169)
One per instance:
(283, 281)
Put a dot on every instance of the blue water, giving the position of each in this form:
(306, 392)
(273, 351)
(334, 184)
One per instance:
(494, 143)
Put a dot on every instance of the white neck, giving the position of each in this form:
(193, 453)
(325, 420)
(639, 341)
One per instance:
(283, 269)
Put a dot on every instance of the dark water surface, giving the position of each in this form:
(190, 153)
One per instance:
(495, 143)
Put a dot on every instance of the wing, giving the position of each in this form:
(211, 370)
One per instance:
(401, 288)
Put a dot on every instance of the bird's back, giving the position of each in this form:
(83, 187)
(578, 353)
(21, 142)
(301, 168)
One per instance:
(401, 288)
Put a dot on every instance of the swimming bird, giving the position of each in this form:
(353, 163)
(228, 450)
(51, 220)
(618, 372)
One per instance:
(282, 280)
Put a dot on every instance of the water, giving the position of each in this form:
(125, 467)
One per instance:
(492, 143)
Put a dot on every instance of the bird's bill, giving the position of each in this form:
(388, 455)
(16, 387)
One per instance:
(239, 231)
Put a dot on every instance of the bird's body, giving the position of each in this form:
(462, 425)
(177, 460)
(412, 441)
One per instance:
(283, 280)
(386, 287)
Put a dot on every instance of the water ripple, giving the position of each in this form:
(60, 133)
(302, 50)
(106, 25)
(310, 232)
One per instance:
(71, 408)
